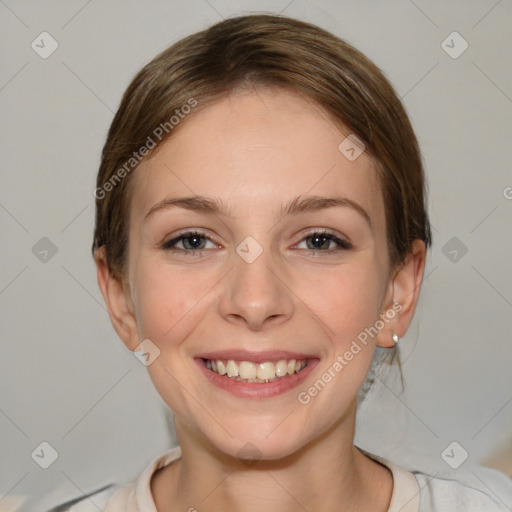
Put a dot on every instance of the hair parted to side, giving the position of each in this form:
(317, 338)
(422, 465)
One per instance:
(271, 51)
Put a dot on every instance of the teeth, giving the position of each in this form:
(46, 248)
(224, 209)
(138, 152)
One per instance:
(266, 371)
(281, 368)
(232, 369)
(247, 371)
(221, 369)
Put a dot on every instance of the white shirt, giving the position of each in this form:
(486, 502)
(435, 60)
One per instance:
(479, 490)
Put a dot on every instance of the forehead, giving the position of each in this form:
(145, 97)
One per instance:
(256, 150)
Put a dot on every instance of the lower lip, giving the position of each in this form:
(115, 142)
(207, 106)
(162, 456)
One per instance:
(257, 389)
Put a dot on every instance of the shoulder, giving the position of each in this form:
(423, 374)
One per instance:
(96, 501)
(113, 497)
(479, 489)
(93, 501)
(475, 489)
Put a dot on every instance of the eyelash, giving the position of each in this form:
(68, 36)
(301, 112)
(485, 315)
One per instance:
(343, 244)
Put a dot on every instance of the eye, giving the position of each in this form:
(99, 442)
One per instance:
(316, 241)
(322, 241)
(191, 241)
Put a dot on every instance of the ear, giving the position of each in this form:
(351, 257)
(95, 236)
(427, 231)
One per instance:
(116, 295)
(402, 297)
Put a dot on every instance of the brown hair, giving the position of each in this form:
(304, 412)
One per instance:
(273, 51)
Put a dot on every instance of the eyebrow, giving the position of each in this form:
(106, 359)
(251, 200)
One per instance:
(298, 205)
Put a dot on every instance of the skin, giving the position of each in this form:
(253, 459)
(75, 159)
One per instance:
(256, 150)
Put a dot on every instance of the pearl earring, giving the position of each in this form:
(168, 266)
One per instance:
(395, 338)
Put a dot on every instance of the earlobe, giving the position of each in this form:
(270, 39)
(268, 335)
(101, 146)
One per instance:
(405, 288)
(117, 299)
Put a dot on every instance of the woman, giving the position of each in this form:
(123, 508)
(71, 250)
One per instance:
(261, 229)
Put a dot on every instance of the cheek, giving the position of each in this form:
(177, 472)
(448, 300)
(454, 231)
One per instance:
(169, 309)
(172, 305)
(347, 300)
(347, 306)
(164, 296)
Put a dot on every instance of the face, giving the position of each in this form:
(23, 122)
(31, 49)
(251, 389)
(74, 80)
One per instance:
(281, 256)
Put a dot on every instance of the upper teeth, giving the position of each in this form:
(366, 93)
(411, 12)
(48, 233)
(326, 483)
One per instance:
(257, 372)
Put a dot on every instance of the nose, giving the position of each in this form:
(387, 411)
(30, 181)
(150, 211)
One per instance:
(255, 295)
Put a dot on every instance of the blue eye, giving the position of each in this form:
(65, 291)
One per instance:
(192, 241)
(321, 240)
(196, 241)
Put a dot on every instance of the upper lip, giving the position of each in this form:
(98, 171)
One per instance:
(254, 356)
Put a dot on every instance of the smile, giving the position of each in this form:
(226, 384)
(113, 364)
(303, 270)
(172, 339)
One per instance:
(257, 375)
(247, 371)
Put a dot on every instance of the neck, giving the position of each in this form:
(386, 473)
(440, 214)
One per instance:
(326, 474)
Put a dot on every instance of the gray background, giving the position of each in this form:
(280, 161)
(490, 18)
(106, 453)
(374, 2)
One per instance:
(65, 377)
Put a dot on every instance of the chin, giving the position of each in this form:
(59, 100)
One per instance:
(251, 444)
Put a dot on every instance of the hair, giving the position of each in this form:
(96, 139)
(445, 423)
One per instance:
(270, 51)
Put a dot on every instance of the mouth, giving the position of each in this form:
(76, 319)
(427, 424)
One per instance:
(256, 375)
(262, 373)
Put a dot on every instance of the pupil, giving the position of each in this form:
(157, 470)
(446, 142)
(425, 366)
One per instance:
(317, 238)
(196, 241)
